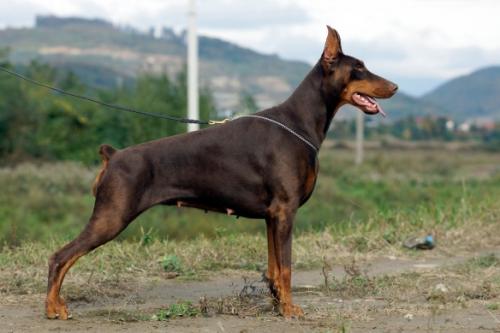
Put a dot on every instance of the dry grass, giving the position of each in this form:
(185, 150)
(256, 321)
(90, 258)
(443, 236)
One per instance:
(357, 298)
(23, 269)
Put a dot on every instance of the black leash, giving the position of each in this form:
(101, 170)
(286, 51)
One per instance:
(108, 105)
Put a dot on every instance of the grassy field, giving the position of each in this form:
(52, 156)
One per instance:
(356, 216)
(393, 191)
(367, 209)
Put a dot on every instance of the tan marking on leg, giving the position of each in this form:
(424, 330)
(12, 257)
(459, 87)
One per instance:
(282, 232)
(54, 305)
(288, 309)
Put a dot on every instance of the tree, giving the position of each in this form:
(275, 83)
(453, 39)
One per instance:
(36, 123)
(248, 103)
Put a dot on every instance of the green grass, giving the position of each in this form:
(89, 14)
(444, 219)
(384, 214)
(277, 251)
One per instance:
(493, 306)
(415, 187)
(171, 263)
(180, 309)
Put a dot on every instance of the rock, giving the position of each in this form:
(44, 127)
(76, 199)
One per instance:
(409, 316)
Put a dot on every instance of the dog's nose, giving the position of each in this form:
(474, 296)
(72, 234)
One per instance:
(394, 87)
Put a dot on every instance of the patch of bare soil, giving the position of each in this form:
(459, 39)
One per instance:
(423, 294)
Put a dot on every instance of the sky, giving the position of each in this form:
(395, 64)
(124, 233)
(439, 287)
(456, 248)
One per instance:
(417, 43)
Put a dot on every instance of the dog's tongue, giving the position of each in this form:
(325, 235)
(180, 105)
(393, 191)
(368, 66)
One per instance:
(374, 101)
(368, 104)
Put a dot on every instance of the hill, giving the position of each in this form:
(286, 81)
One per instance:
(104, 55)
(403, 105)
(121, 53)
(470, 96)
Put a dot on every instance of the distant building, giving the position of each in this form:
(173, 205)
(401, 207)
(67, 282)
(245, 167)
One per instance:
(168, 34)
(464, 127)
(484, 124)
(450, 125)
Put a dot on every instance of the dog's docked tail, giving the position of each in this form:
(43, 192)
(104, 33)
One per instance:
(106, 152)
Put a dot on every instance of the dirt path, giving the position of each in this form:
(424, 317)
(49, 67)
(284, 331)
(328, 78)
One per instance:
(325, 312)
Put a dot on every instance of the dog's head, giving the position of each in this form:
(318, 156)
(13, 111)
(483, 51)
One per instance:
(348, 76)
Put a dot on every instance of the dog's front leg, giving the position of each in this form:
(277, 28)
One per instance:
(280, 223)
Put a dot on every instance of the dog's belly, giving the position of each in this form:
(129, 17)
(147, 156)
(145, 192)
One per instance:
(230, 210)
(247, 205)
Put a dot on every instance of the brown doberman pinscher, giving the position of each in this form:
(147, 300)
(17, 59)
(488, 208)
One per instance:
(261, 166)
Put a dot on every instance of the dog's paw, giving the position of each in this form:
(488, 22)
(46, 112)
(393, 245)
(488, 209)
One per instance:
(291, 311)
(56, 309)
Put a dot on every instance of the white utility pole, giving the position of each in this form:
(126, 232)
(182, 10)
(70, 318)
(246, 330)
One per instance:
(360, 122)
(193, 109)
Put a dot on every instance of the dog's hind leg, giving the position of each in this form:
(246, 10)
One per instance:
(281, 219)
(112, 213)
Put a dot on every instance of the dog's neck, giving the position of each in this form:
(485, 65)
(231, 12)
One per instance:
(309, 110)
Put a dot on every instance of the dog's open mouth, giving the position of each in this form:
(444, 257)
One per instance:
(367, 104)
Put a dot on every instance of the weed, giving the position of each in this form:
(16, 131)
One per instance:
(493, 306)
(146, 237)
(344, 328)
(390, 235)
(181, 309)
(486, 261)
(355, 283)
(360, 244)
(171, 263)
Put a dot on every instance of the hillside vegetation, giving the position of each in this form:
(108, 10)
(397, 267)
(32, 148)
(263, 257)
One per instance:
(470, 96)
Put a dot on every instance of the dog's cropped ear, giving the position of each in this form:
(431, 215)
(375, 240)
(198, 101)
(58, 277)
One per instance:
(333, 48)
